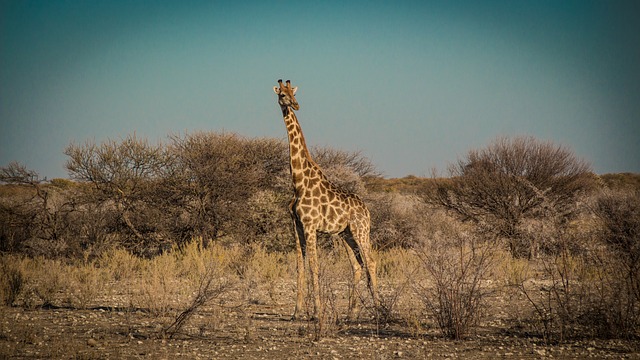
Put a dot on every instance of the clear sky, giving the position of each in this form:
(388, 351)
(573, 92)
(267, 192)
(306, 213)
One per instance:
(412, 84)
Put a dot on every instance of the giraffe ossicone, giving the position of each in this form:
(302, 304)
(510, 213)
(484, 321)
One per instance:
(320, 206)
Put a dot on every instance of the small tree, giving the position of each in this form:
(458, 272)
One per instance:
(218, 174)
(124, 177)
(512, 180)
(358, 163)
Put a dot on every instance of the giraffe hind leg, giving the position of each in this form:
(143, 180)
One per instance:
(357, 265)
(360, 236)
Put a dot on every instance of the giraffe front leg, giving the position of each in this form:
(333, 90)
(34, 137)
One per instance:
(300, 279)
(315, 271)
(300, 284)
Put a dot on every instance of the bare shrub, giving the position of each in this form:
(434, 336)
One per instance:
(397, 220)
(124, 177)
(457, 265)
(217, 174)
(346, 179)
(268, 221)
(587, 286)
(211, 285)
(35, 216)
(562, 296)
(619, 215)
(572, 291)
(355, 161)
(511, 180)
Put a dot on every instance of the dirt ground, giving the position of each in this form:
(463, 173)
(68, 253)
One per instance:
(259, 331)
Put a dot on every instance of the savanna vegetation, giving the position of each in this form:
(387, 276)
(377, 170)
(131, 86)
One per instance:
(518, 238)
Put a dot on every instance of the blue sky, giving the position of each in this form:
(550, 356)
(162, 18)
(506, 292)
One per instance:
(412, 84)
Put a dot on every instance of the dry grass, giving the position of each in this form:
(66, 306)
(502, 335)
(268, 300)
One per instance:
(556, 297)
(12, 279)
(86, 283)
(399, 270)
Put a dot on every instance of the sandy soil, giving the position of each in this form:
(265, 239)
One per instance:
(259, 331)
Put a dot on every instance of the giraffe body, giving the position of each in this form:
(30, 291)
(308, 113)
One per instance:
(320, 206)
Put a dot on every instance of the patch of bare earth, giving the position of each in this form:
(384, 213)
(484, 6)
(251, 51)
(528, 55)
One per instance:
(259, 331)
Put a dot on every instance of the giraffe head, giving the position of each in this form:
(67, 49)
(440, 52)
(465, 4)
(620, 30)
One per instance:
(286, 95)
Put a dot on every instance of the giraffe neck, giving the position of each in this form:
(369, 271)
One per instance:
(302, 165)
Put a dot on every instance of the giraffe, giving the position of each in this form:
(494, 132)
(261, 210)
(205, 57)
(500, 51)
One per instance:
(320, 206)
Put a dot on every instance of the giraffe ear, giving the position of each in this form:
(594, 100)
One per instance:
(276, 90)
(294, 90)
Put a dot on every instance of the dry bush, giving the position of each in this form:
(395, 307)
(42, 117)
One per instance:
(124, 176)
(561, 296)
(178, 282)
(215, 176)
(268, 222)
(397, 220)
(621, 181)
(46, 282)
(210, 287)
(619, 216)
(35, 216)
(618, 312)
(457, 266)
(510, 181)
(355, 161)
(345, 178)
(574, 291)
